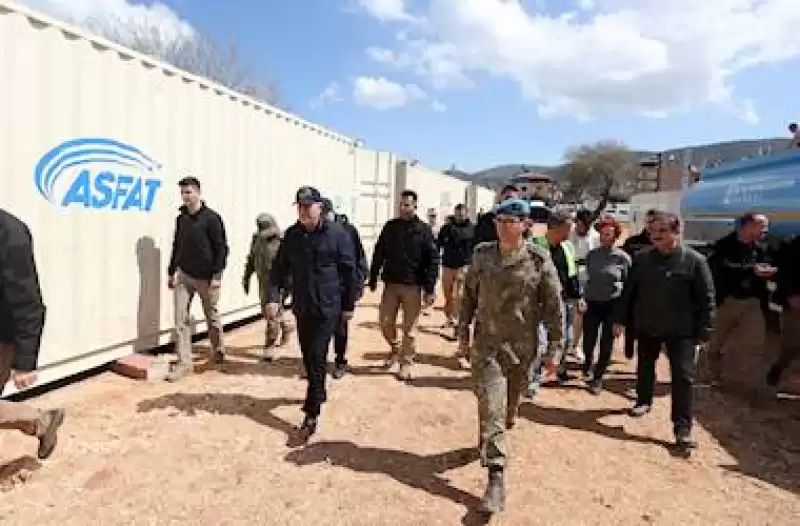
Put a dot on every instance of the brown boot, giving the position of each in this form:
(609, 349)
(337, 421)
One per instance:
(494, 499)
(49, 422)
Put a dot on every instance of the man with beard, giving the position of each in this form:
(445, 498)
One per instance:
(455, 243)
(406, 258)
(669, 302)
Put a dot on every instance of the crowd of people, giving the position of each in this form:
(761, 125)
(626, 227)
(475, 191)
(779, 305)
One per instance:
(518, 303)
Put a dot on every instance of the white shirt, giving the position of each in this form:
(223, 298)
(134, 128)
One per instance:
(583, 244)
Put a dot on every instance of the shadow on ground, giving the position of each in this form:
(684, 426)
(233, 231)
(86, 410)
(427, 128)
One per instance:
(423, 472)
(765, 442)
(256, 409)
(17, 472)
(588, 421)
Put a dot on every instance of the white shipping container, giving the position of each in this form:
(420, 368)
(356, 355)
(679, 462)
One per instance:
(93, 140)
(435, 189)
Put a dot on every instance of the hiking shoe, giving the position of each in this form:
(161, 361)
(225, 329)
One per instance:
(178, 372)
(393, 358)
(269, 354)
(304, 433)
(50, 421)
(339, 370)
(404, 374)
(494, 498)
(683, 439)
(217, 357)
(533, 390)
(596, 386)
(639, 410)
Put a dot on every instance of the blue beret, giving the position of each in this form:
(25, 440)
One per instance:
(514, 207)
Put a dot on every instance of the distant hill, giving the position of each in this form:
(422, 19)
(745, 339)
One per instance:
(699, 155)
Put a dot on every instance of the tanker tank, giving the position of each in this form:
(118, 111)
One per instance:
(769, 185)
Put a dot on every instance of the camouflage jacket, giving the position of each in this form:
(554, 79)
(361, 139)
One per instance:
(507, 297)
(263, 249)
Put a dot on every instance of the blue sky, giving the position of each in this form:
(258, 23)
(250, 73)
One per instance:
(477, 83)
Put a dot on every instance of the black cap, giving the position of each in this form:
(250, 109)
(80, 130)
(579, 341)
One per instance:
(307, 195)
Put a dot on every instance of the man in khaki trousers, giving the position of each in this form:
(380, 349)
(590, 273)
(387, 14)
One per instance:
(22, 314)
(407, 259)
(199, 255)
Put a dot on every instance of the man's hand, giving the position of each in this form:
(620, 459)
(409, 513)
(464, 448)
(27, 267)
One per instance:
(618, 330)
(271, 310)
(171, 282)
(347, 315)
(582, 305)
(24, 379)
(429, 298)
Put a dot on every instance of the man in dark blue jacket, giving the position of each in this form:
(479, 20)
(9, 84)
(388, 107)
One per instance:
(320, 258)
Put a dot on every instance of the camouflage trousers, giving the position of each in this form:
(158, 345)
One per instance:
(499, 384)
(278, 329)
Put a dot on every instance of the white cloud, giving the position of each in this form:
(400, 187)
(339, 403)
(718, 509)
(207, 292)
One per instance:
(386, 10)
(438, 106)
(119, 16)
(330, 95)
(641, 57)
(383, 94)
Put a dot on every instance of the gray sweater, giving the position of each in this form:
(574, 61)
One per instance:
(606, 269)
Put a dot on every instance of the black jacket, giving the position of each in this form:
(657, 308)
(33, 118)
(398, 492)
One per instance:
(407, 254)
(361, 255)
(22, 311)
(485, 229)
(788, 275)
(200, 246)
(635, 244)
(733, 266)
(455, 242)
(321, 265)
(669, 296)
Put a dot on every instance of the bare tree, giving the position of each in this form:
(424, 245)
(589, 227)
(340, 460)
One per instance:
(598, 170)
(196, 53)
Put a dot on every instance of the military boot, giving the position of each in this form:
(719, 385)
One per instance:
(269, 352)
(494, 499)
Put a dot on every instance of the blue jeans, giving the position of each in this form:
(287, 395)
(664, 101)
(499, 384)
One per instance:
(535, 372)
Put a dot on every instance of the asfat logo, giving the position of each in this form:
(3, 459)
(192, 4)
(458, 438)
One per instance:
(99, 174)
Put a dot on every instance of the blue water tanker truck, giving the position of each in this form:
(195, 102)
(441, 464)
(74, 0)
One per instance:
(769, 185)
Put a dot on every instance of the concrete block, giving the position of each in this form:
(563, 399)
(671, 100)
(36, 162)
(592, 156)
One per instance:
(141, 367)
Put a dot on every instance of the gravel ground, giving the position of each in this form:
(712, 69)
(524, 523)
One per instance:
(212, 451)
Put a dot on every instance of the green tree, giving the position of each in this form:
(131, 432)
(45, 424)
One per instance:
(599, 170)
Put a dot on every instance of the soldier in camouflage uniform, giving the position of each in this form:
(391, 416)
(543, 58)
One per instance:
(263, 249)
(509, 289)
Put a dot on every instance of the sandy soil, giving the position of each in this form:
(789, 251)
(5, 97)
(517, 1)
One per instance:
(212, 451)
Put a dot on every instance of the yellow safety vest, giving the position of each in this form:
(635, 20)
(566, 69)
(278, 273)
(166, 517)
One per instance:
(569, 253)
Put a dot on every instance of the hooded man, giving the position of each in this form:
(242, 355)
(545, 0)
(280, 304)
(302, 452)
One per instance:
(263, 249)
